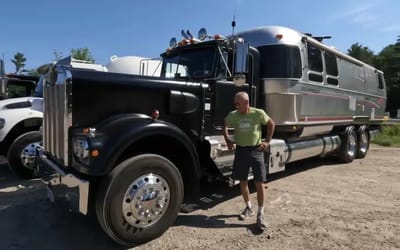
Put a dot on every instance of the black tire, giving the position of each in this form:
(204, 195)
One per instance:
(21, 154)
(348, 147)
(363, 142)
(122, 214)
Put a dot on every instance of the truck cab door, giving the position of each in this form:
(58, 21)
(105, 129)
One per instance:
(223, 101)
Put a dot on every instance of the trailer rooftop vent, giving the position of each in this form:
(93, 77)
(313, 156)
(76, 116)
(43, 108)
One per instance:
(318, 38)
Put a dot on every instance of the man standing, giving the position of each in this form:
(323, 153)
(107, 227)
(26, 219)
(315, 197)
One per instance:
(247, 122)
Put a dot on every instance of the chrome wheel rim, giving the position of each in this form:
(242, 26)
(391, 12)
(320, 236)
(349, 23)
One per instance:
(364, 142)
(146, 200)
(351, 145)
(28, 155)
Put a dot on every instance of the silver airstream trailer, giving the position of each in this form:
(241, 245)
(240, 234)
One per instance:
(322, 100)
(310, 87)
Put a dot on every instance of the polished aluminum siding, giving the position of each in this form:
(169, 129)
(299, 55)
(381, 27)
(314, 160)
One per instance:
(55, 128)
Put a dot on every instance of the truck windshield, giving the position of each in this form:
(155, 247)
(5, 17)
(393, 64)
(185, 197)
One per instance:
(190, 63)
(280, 61)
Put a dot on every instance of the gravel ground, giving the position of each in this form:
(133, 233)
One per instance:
(314, 204)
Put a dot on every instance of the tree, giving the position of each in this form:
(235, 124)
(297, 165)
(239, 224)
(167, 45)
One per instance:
(82, 54)
(388, 60)
(19, 62)
(362, 53)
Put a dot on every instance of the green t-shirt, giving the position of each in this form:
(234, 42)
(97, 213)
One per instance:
(247, 126)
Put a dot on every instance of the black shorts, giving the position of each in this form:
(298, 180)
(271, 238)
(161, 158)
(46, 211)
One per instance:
(246, 157)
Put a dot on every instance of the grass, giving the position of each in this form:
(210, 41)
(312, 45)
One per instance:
(389, 136)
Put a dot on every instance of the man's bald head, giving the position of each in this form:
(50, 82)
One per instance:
(241, 96)
(241, 100)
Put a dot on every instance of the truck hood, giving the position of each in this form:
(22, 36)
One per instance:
(35, 103)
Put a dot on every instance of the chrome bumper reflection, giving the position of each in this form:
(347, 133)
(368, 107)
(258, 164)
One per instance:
(74, 189)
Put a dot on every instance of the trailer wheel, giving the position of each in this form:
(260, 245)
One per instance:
(140, 199)
(363, 142)
(22, 154)
(348, 147)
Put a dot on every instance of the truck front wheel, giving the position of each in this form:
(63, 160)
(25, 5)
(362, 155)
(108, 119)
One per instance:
(22, 154)
(140, 199)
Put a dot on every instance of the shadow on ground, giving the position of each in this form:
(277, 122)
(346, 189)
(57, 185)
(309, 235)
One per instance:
(30, 221)
(214, 193)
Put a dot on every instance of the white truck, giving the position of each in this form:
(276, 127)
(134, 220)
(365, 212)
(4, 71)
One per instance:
(18, 112)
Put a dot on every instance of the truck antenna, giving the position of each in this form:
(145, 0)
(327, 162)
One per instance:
(234, 18)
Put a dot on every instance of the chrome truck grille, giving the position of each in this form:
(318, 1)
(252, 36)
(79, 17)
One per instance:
(57, 116)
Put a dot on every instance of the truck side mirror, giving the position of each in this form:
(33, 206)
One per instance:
(241, 55)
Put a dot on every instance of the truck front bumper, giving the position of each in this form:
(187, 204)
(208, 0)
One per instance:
(67, 185)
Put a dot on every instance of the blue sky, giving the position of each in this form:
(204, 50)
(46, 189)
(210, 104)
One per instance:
(144, 28)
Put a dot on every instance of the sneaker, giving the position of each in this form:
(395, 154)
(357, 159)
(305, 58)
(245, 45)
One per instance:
(260, 221)
(247, 212)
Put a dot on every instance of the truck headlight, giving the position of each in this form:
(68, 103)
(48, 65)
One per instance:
(2, 123)
(81, 149)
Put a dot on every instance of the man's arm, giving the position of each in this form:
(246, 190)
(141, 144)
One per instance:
(270, 132)
(228, 140)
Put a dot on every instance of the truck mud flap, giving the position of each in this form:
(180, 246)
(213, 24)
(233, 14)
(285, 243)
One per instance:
(66, 185)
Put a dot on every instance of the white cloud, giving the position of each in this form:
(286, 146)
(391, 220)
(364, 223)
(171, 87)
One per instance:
(368, 14)
(359, 9)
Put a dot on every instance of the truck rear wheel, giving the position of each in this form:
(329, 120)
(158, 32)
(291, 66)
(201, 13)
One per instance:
(22, 154)
(348, 147)
(363, 142)
(140, 199)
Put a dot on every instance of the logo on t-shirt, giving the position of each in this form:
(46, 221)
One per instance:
(245, 125)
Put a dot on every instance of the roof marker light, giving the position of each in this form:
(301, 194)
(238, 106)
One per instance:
(218, 37)
(194, 40)
(279, 36)
(184, 42)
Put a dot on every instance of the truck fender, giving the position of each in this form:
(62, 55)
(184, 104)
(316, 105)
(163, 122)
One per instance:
(14, 117)
(118, 133)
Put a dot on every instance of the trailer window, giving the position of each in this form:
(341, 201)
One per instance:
(331, 64)
(280, 61)
(314, 58)
(331, 68)
(380, 81)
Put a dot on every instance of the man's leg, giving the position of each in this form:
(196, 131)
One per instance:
(244, 189)
(260, 186)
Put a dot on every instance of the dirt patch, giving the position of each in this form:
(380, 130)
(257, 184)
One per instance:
(315, 204)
